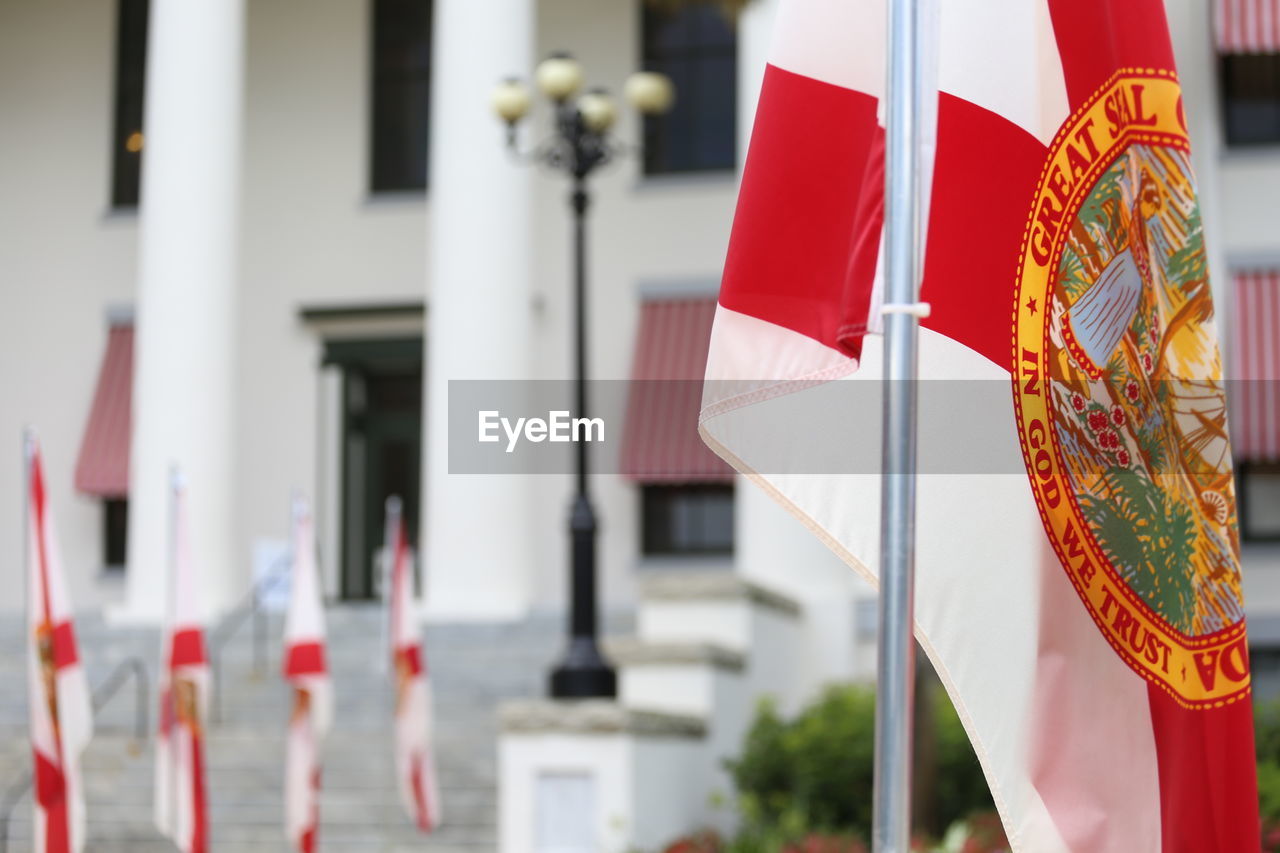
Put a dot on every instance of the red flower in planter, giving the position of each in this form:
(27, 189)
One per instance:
(1132, 391)
(1108, 439)
(1097, 420)
(1117, 416)
(701, 842)
(1270, 836)
(1077, 402)
(1147, 364)
(826, 844)
(1123, 457)
(986, 835)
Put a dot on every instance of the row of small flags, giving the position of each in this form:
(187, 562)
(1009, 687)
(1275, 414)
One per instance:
(61, 715)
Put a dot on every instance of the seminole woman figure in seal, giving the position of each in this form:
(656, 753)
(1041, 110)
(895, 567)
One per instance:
(1098, 320)
(1139, 407)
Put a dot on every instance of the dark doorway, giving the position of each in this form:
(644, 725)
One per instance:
(381, 449)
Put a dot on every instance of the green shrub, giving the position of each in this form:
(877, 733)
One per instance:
(791, 772)
(832, 785)
(959, 787)
(1266, 730)
(814, 773)
(1266, 735)
(1269, 791)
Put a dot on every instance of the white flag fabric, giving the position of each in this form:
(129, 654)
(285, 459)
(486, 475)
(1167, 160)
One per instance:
(414, 754)
(181, 798)
(61, 714)
(1078, 580)
(306, 672)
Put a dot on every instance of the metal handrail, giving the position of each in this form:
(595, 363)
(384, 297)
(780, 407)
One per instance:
(134, 666)
(102, 694)
(250, 606)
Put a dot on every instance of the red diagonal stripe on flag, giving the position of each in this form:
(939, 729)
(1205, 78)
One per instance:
(305, 659)
(51, 794)
(1095, 37)
(412, 656)
(200, 827)
(810, 247)
(420, 794)
(188, 648)
(64, 645)
(976, 220)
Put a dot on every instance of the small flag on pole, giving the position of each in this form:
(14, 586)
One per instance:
(415, 760)
(1077, 561)
(57, 692)
(307, 674)
(181, 804)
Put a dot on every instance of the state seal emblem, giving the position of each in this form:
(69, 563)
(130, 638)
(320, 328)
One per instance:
(1119, 396)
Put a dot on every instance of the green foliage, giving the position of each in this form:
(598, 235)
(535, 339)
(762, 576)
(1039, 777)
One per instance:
(959, 787)
(762, 773)
(1269, 790)
(834, 784)
(1266, 730)
(813, 774)
(1150, 537)
(790, 772)
(1266, 738)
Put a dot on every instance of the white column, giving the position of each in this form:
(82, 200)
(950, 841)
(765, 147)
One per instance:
(755, 35)
(184, 357)
(476, 529)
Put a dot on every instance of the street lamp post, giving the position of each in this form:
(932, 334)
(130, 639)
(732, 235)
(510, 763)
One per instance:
(580, 145)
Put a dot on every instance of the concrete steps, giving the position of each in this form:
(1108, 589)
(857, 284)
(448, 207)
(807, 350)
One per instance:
(473, 668)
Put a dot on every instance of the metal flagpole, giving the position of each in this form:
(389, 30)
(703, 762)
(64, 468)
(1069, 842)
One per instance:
(171, 557)
(394, 507)
(891, 814)
(28, 454)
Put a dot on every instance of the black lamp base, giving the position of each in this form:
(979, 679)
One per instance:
(584, 673)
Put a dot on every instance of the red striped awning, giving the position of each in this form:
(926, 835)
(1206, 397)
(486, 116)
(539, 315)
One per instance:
(1247, 26)
(103, 467)
(660, 442)
(1255, 411)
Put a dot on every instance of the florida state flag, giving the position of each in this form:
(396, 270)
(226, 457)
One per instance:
(181, 804)
(415, 761)
(1078, 585)
(57, 693)
(312, 693)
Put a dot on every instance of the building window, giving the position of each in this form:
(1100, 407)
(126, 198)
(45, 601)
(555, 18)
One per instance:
(1251, 98)
(1264, 674)
(696, 45)
(115, 528)
(687, 519)
(131, 74)
(401, 95)
(381, 451)
(1260, 501)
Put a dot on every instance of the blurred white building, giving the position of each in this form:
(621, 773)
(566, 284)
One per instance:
(258, 240)
(252, 224)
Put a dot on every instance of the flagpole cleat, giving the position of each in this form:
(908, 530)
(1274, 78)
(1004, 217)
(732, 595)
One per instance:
(919, 310)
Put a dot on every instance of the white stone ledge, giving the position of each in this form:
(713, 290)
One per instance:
(713, 586)
(593, 717)
(634, 651)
